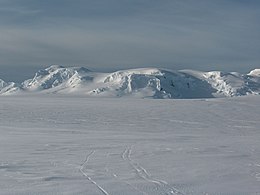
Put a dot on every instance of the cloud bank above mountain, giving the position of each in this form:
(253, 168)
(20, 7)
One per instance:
(118, 34)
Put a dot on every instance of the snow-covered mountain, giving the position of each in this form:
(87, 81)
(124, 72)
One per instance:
(142, 82)
(8, 88)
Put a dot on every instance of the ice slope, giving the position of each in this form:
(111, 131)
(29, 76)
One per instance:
(142, 82)
(59, 145)
(8, 88)
(233, 84)
(56, 76)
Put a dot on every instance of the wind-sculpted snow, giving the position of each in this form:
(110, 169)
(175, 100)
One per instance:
(142, 83)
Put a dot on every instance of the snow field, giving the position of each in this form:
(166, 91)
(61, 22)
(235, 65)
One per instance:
(76, 145)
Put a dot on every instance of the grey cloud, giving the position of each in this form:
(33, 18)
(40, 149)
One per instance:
(203, 34)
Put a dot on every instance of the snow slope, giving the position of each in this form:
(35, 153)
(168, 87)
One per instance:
(52, 144)
(7, 88)
(142, 82)
(255, 72)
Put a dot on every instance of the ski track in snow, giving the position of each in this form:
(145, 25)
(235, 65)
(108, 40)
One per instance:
(83, 166)
(121, 180)
(143, 173)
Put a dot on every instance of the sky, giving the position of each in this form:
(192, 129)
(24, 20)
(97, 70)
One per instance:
(108, 35)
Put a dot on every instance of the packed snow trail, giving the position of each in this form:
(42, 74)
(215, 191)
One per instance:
(83, 166)
(121, 180)
(143, 173)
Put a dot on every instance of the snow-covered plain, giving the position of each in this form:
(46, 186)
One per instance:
(58, 144)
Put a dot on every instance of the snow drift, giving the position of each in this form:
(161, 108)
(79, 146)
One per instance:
(142, 83)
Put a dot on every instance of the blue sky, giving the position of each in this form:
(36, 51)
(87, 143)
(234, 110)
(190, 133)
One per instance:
(117, 34)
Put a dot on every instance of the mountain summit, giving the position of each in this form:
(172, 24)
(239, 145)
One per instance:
(142, 83)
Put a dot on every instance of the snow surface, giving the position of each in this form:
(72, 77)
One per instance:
(57, 144)
(255, 72)
(140, 83)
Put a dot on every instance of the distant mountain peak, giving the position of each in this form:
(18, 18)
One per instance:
(140, 82)
(255, 72)
(54, 67)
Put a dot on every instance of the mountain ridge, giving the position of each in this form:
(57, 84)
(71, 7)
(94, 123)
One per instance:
(140, 83)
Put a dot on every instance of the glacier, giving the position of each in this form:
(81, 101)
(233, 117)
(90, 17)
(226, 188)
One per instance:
(139, 83)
